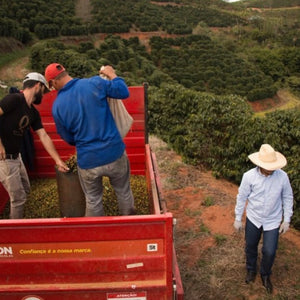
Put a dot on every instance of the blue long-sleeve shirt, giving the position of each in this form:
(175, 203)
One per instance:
(83, 118)
(269, 198)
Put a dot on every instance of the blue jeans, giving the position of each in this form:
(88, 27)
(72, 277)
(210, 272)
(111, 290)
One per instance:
(269, 247)
(118, 173)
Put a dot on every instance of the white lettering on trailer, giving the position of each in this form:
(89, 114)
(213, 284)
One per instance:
(127, 296)
(152, 247)
(6, 251)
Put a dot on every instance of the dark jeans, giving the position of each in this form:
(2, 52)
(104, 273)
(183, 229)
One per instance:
(270, 242)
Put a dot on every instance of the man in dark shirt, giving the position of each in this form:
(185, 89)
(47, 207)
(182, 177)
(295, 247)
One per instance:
(17, 113)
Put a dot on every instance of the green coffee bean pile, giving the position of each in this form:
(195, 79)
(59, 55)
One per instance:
(42, 202)
(72, 163)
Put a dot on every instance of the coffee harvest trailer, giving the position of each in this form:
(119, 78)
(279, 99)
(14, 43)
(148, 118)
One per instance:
(103, 258)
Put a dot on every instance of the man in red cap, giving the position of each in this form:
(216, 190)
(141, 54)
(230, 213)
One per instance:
(17, 113)
(83, 118)
(270, 198)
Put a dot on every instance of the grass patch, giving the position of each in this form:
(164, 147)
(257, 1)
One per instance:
(204, 228)
(192, 213)
(290, 101)
(220, 239)
(10, 57)
(208, 201)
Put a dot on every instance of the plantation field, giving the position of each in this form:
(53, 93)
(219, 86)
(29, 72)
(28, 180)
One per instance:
(210, 254)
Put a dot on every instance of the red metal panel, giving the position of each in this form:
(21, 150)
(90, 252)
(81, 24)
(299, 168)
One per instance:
(98, 255)
(151, 182)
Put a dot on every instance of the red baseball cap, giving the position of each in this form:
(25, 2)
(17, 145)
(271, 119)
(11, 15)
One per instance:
(53, 70)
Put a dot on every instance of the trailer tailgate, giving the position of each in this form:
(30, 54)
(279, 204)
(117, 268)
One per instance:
(71, 257)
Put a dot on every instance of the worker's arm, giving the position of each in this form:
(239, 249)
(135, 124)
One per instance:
(49, 146)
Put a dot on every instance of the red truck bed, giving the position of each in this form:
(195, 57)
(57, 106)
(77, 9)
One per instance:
(87, 258)
(104, 258)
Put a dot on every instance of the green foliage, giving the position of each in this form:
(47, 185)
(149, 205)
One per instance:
(272, 3)
(220, 239)
(128, 57)
(45, 19)
(285, 138)
(52, 18)
(294, 83)
(11, 28)
(208, 201)
(221, 131)
(77, 64)
(219, 71)
(281, 64)
(201, 63)
(120, 16)
(45, 31)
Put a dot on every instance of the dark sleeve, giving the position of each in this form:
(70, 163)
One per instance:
(37, 121)
(10, 102)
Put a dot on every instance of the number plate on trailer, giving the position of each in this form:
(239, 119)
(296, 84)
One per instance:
(127, 296)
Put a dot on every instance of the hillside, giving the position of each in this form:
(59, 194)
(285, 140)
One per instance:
(210, 253)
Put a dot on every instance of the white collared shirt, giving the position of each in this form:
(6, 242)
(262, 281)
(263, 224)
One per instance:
(268, 198)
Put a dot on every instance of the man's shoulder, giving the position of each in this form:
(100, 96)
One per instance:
(93, 79)
(11, 100)
(281, 173)
(251, 172)
(250, 175)
(13, 96)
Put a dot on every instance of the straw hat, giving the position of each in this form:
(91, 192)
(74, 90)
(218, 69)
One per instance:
(267, 158)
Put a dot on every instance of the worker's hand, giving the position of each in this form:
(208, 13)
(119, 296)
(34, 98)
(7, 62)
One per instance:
(108, 72)
(284, 227)
(238, 225)
(62, 167)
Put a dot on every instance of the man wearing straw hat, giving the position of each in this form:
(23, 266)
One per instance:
(270, 199)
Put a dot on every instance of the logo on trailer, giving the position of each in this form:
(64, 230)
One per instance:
(6, 251)
(32, 298)
(127, 296)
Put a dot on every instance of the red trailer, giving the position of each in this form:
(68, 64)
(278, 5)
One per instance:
(104, 258)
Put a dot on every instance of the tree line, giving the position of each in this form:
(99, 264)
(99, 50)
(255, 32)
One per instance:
(185, 60)
(25, 20)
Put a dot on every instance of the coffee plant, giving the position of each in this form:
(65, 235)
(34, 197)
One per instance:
(220, 132)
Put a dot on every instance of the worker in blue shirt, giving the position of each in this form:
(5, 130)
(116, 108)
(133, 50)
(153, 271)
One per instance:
(83, 118)
(270, 199)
